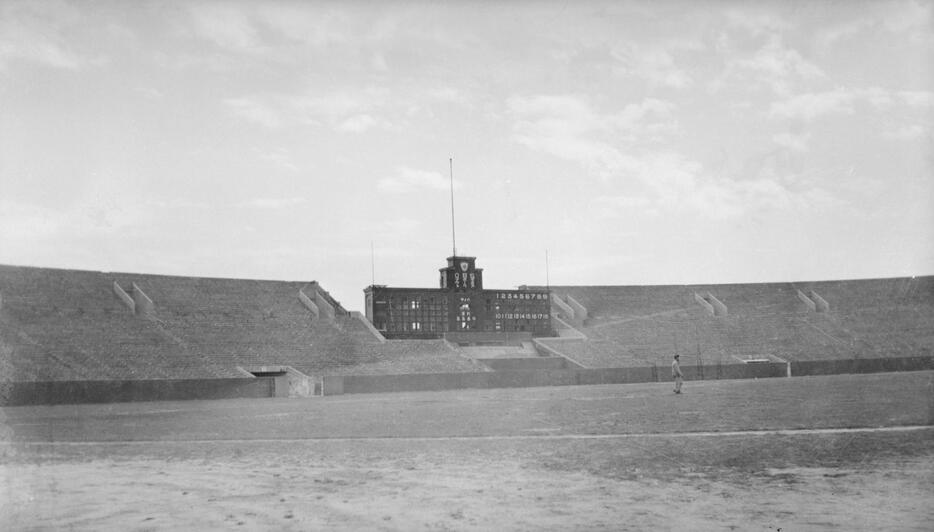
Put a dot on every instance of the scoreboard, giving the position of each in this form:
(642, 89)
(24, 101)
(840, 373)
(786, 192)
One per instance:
(460, 304)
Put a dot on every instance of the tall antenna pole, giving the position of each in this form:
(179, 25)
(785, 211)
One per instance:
(373, 263)
(547, 282)
(453, 238)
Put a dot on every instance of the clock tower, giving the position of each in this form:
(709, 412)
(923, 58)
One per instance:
(461, 275)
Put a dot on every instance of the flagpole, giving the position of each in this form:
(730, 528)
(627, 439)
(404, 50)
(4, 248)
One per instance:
(453, 237)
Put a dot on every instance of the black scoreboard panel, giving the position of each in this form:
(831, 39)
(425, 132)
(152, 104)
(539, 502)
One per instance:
(408, 312)
(522, 310)
(460, 304)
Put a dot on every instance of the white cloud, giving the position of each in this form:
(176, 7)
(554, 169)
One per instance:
(917, 98)
(773, 65)
(272, 203)
(177, 203)
(150, 93)
(338, 105)
(409, 179)
(756, 20)
(829, 36)
(24, 222)
(393, 240)
(610, 207)
(655, 65)
(254, 110)
(680, 185)
(347, 110)
(450, 95)
(911, 20)
(777, 63)
(317, 25)
(96, 213)
(791, 141)
(226, 25)
(567, 127)
(909, 132)
(809, 106)
(361, 123)
(39, 32)
(378, 62)
(279, 157)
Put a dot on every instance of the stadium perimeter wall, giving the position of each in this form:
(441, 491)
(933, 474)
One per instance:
(74, 392)
(348, 384)
(860, 365)
(336, 385)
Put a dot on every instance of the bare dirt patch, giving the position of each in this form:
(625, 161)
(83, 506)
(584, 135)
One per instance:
(483, 485)
(219, 466)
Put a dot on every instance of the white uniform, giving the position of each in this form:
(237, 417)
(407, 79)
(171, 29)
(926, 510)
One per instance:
(677, 375)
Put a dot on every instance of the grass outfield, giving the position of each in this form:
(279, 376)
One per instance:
(851, 452)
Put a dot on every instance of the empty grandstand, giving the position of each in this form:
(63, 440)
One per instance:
(185, 333)
(76, 336)
(719, 324)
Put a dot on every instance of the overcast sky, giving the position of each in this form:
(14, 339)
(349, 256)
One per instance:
(640, 142)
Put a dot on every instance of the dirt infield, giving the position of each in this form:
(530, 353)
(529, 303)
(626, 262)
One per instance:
(578, 458)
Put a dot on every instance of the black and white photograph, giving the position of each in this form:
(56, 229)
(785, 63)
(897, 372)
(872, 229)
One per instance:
(466, 265)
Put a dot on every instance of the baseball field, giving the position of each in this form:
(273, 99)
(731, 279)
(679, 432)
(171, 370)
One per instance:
(843, 452)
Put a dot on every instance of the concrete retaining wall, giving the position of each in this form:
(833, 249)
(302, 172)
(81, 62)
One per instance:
(524, 363)
(325, 308)
(369, 326)
(860, 365)
(563, 307)
(123, 296)
(488, 338)
(143, 304)
(73, 392)
(703, 302)
(309, 304)
(335, 385)
(580, 311)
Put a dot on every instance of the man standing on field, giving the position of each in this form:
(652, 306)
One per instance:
(676, 374)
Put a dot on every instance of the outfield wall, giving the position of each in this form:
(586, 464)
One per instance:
(860, 365)
(525, 363)
(335, 385)
(73, 392)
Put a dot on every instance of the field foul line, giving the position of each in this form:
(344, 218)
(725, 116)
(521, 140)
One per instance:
(768, 432)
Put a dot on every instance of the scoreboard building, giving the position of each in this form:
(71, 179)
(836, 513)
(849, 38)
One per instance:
(460, 305)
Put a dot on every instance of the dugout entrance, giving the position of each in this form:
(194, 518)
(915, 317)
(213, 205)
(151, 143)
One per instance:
(285, 381)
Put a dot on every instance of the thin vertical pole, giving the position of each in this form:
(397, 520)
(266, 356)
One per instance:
(453, 237)
(547, 281)
(373, 262)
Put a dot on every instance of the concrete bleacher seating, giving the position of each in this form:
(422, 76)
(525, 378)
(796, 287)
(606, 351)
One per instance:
(634, 326)
(66, 325)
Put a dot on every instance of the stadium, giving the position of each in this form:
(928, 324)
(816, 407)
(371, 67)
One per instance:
(242, 382)
(78, 336)
(681, 276)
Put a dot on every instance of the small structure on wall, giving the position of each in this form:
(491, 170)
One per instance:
(460, 305)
